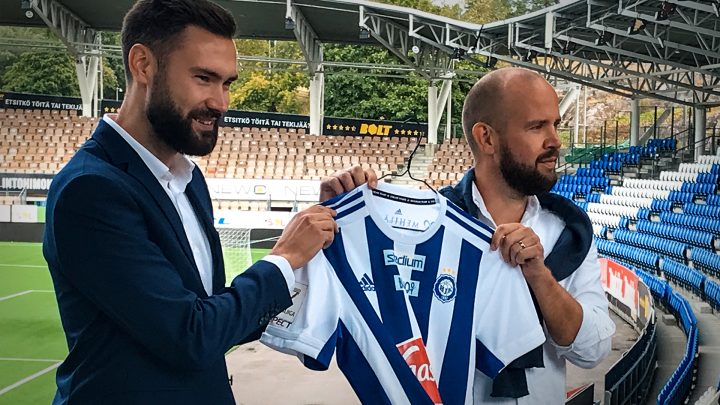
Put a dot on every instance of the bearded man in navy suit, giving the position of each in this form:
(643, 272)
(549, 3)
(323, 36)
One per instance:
(135, 260)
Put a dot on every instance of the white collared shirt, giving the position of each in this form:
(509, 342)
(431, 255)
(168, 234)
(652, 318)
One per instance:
(593, 341)
(174, 181)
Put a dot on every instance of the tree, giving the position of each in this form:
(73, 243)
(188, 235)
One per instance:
(486, 11)
(266, 86)
(42, 72)
(114, 64)
(48, 72)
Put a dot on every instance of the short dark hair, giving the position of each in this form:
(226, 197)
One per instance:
(157, 23)
(484, 103)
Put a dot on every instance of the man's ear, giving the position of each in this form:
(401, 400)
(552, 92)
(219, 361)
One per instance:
(142, 64)
(485, 139)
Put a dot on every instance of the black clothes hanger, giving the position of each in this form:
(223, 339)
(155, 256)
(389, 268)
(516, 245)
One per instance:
(418, 138)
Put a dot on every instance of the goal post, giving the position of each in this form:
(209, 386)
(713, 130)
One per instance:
(236, 250)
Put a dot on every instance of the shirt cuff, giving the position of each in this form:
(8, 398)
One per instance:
(284, 267)
(591, 332)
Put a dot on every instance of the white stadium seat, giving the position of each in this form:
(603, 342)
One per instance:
(641, 193)
(653, 184)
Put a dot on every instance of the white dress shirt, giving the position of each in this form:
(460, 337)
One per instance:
(593, 341)
(174, 181)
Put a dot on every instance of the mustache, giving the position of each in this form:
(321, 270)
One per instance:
(552, 153)
(207, 113)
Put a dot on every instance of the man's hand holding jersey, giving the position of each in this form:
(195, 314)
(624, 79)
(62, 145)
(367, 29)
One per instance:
(314, 228)
(520, 246)
(309, 231)
(346, 180)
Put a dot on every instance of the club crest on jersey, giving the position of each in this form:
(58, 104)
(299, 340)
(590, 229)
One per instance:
(445, 288)
(414, 262)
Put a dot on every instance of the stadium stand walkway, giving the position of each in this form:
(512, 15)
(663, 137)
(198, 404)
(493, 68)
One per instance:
(670, 343)
(708, 345)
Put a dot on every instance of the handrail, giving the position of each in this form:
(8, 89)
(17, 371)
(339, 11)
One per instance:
(603, 147)
(704, 139)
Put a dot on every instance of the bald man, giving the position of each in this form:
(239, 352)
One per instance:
(510, 120)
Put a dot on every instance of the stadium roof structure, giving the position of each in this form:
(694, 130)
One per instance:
(660, 49)
(668, 50)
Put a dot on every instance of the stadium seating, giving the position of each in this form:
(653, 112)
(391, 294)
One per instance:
(709, 160)
(695, 222)
(452, 158)
(661, 246)
(41, 141)
(699, 168)
(677, 233)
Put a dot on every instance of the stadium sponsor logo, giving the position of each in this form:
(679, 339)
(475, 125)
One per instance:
(373, 129)
(366, 283)
(415, 355)
(411, 287)
(21, 100)
(445, 288)
(25, 182)
(414, 262)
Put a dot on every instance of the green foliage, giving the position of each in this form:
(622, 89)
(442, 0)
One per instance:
(350, 94)
(113, 63)
(49, 72)
(281, 92)
(452, 11)
(42, 72)
(268, 86)
(485, 11)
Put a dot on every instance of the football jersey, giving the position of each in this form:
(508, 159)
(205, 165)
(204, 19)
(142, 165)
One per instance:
(409, 298)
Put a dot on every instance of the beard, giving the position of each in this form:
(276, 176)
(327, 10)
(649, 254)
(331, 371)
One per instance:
(525, 179)
(174, 129)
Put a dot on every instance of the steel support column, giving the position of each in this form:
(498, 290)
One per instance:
(634, 121)
(700, 123)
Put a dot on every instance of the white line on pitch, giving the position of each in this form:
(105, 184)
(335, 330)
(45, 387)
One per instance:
(15, 295)
(23, 244)
(30, 377)
(25, 293)
(36, 360)
(33, 266)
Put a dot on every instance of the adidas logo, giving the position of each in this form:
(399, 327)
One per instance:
(398, 212)
(366, 283)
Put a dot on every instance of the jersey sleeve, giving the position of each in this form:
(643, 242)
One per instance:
(506, 324)
(309, 328)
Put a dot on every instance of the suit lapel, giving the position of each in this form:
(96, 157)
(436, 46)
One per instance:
(196, 192)
(121, 154)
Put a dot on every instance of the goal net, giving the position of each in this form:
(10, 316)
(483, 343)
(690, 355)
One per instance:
(236, 250)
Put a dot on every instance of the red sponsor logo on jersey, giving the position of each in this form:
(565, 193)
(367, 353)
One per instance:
(415, 355)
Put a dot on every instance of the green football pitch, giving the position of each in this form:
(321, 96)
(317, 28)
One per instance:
(32, 344)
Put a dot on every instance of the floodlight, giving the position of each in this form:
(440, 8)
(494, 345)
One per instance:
(364, 33)
(637, 26)
(289, 23)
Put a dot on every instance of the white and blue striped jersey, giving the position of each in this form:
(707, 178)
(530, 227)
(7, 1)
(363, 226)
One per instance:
(409, 298)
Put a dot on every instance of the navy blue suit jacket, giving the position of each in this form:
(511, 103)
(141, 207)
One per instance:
(140, 327)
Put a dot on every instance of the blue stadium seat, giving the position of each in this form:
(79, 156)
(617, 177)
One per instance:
(698, 223)
(680, 197)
